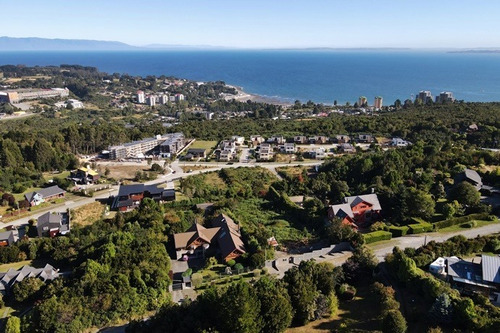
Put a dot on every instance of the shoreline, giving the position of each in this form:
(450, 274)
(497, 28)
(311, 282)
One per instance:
(243, 96)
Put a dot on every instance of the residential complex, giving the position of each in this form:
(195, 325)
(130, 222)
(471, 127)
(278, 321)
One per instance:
(137, 149)
(377, 104)
(19, 95)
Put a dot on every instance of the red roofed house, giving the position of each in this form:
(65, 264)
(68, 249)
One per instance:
(360, 210)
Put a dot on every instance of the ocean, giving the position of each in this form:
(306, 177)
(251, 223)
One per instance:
(288, 75)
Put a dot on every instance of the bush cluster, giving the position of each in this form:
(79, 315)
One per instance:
(376, 236)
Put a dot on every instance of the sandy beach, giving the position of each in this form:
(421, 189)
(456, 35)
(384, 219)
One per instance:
(243, 96)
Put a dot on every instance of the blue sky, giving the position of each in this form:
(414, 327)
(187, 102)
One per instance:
(261, 23)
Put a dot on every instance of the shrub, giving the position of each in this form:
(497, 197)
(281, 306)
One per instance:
(470, 224)
(398, 231)
(188, 272)
(347, 292)
(256, 273)
(197, 280)
(419, 228)
(377, 226)
(377, 236)
(460, 220)
(492, 218)
(231, 263)
(394, 322)
(239, 268)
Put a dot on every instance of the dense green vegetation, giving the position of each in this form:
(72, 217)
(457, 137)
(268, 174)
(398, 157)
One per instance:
(113, 270)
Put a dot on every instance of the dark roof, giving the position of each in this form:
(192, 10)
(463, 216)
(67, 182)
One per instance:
(45, 192)
(168, 193)
(126, 190)
(196, 150)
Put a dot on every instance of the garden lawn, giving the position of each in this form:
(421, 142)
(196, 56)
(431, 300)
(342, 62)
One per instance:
(458, 227)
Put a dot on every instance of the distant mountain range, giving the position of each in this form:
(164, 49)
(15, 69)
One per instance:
(47, 44)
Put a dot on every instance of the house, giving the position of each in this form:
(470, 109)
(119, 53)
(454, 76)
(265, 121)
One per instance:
(318, 153)
(84, 175)
(224, 235)
(366, 138)
(256, 139)
(11, 277)
(318, 139)
(342, 138)
(53, 224)
(300, 139)
(225, 156)
(130, 196)
(472, 128)
(197, 152)
(45, 194)
(343, 212)
(360, 210)
(229, 238)
(265, 153)
(7, 238)
(347, 148)
(470, 176)
(289, 148)
(479, 276)
(238, 140)
(277, 139)
(398, 142)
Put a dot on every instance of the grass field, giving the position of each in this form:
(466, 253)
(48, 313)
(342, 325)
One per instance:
(14, 265)
(203, 144)
(87, 214)
(459, 227)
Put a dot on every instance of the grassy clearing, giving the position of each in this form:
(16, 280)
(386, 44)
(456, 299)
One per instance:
(49, 175)
(14, 265)
(87, 214)
(359, 315)
(201, 144)
(125, 172)
(20, 196)
(186, 168)
(459, 227)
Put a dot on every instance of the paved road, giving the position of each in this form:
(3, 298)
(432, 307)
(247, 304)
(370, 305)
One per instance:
(175, 172)
(383, 248)
(416, 241)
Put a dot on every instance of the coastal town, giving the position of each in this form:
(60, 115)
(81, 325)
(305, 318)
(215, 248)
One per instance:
(237, 192)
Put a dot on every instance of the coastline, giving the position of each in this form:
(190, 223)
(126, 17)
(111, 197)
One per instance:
(243, 96)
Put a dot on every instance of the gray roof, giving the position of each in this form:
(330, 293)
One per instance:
(369, 198)
(342, 210)
(490, 268)
(12, 276)
(45, 192)
(52, 221)
(473, 175)
(6, 234)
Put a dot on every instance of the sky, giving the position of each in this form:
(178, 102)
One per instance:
(260, 23)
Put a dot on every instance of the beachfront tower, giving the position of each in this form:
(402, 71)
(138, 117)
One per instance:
(378, 103)
(141, 98)
(425, 96)
(362, 101)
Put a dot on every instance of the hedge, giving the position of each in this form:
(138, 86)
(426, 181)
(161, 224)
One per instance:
(460, 220)
(398, 231)
(419, 228)
(376, 236)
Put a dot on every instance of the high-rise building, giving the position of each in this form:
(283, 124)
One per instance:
(362, 101)
(164, 99)
(445, 96)
(141, 98)
(425, 96)
(378, 102)
(151, 100)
